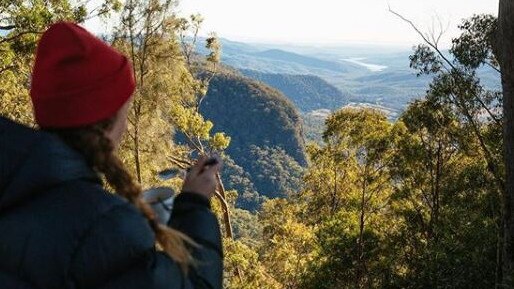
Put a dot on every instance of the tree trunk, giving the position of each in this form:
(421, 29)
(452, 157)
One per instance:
(334, 193)
(506, 48)
(226, 218)
(226, 211)
(137, 158)
(361, 265)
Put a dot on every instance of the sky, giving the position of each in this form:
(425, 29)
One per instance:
(330, 21)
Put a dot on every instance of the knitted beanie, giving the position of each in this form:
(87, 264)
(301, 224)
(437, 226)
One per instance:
(77, 79)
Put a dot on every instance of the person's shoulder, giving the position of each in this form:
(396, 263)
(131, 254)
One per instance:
(116, 236)
(89, 195)
(116, 221)
(11, 125)
(101, 212)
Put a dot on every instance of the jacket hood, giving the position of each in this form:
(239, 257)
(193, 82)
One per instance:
(32, 161)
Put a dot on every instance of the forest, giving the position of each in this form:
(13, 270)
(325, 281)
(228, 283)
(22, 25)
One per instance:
(424, 200)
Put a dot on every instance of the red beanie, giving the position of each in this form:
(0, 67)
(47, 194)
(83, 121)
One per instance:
(77, 79)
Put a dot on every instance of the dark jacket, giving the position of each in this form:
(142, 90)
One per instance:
(60, 229)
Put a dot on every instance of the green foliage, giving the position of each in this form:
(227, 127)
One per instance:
(348, 186)
(214, 47)
(21, 24)
(247, 227)
(436, 221)
(236, 178)
(425, 60)
(475, 45)
(162, 81)
(373, 204)
(288, 244)
(169, 89)
(456, 85)
(254, 273)
(443, 203)
(265, 130)
(313, 124)
(275, 172)
(337, 255)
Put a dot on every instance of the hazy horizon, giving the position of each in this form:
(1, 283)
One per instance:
(328, 23)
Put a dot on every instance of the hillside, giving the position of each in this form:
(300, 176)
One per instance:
(277, 54)
(242, 56)
(307, 92)
(266, 132)
(352, 70)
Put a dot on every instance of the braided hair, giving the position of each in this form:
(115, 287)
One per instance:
(99, 151)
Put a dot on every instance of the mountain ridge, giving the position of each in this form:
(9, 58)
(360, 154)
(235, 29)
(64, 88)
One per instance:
(307, 92)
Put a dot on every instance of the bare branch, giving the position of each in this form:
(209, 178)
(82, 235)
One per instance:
(19, 35)
(7, 27)
(423, 36)
(184, 162)
(3, 69)
(192, 144)
(493, 67)
(410, 23)
(100, 13)
(446, 60)
(178, 163)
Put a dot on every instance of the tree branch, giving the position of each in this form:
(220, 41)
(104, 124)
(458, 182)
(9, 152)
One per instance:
(19, 35)
(493, 67)
(7, 27)
(3, 69)
(423, 36)
(434, 45)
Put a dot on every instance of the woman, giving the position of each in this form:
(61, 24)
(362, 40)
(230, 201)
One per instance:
(59, 228)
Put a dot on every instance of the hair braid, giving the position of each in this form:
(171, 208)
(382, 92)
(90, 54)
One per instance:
(99, 152)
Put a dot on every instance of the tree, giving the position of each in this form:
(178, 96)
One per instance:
(456, 82)
(21, 25)
(442, 196)
(288, 243)
(347, 191)
(186, 115)
(506, 50)
(365, 138)
(172, 81)
(146, 35)
(240, 256)
(478, 108)
(429, 143)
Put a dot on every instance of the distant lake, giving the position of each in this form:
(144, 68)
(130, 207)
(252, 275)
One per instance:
(371, 67)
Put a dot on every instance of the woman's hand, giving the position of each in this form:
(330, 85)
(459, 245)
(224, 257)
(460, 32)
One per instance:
(202, 179)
